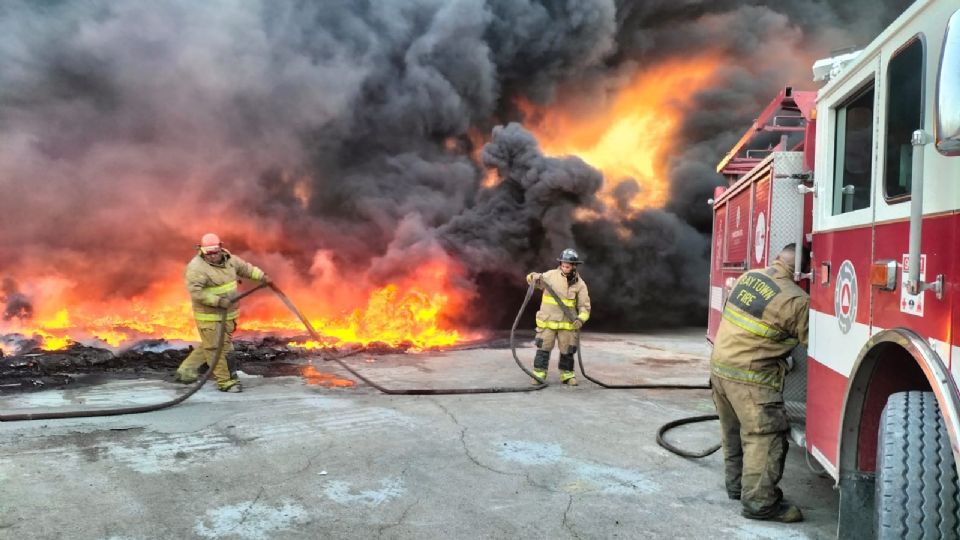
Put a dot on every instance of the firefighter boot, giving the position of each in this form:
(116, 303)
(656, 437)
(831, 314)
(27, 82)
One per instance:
(540, 364)
(230, 385)
(187, 370)
(567, 376)
(784, 512)
(184, 378)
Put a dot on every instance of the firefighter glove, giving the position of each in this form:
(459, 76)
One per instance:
(265, 279)
(577, 324)
(534, 278)
(228, 299)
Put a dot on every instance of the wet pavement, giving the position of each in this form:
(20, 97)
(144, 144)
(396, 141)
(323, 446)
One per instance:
(306, 454)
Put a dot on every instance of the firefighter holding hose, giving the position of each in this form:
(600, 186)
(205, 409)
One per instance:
(211, 279)
(764, 318)
(552, 326)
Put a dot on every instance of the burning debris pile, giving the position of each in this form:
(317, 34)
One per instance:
(396, 167)
(29, 367)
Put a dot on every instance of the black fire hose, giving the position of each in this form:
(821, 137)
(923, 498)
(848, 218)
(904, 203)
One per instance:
(568, 313)
(425, 391)
(221, 334)
(679, 451)
(85, 413)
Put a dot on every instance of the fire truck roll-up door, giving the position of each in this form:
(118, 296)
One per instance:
(753, 220)
(717, 292)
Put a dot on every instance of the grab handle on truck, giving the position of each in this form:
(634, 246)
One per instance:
(914, 286)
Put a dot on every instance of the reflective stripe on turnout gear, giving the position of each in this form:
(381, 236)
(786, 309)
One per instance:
(549, 299)
(769, 380)
(214, 317)
(555, 325)
(754, 326)
(220, 290)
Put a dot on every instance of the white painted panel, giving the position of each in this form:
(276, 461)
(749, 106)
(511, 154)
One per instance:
(831, 347)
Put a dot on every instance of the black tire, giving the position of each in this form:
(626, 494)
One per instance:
(917, 490)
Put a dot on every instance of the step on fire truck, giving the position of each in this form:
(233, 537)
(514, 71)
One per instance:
(866, 172)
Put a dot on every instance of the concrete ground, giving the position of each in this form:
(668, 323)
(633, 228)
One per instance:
(286, 459)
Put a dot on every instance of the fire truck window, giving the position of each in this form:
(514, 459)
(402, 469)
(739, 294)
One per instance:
(853, 154)
(904, 115)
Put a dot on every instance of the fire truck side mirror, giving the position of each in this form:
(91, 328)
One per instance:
(948, 91)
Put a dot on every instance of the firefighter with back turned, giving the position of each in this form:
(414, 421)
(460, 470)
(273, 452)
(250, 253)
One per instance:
(764, 318)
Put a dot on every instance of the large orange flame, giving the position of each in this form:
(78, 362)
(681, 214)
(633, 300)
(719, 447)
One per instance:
(631, 136)
(411, 313)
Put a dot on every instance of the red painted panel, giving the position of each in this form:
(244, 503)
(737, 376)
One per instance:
(825, 391)
(719, 228)
(738, 227)
(835, 247)
(938, 244)
(761, 205)
(716, 265)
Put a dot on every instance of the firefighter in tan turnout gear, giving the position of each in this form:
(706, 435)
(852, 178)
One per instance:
(211, 280)
(764, 318)
(552, 326)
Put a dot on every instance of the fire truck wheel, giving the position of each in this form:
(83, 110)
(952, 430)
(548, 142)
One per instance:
(917, 490)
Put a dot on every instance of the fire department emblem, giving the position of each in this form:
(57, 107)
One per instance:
(760, 238)
(845, 296)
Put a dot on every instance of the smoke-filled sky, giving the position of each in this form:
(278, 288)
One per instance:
(339, 142)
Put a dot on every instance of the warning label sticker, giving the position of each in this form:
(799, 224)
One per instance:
(911, 304)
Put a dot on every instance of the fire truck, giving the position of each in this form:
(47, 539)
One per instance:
(866, 173)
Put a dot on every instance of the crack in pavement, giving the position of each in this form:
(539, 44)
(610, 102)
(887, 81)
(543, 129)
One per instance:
(566, 524)
(403, 517)
(463, 443)
(243, 517)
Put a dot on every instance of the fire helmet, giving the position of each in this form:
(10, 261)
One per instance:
(210, 242)
(570, 256)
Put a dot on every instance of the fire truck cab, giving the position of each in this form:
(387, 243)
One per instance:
(866, 172)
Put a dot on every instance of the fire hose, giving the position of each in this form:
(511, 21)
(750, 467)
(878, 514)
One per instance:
(568, 313)
(221, 335)
(221, 338)
(426, 391)
(85, 413)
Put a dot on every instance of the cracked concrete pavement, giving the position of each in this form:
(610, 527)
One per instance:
(286, 459)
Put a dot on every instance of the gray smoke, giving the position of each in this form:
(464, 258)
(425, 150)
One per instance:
(349, 128)
(17, 305)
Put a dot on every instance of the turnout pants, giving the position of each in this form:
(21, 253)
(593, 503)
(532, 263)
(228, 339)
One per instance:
(753, 430)
(566, 341)
(204, 354)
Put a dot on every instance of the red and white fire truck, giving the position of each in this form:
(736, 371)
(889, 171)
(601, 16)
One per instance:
(866, 172)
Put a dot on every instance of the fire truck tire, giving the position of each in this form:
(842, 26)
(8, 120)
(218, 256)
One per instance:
(917, 489)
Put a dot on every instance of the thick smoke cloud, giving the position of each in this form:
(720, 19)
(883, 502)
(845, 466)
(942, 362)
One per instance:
(336, 140)
(17, 305)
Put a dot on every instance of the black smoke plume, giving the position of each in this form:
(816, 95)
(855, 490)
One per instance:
(342, 134)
